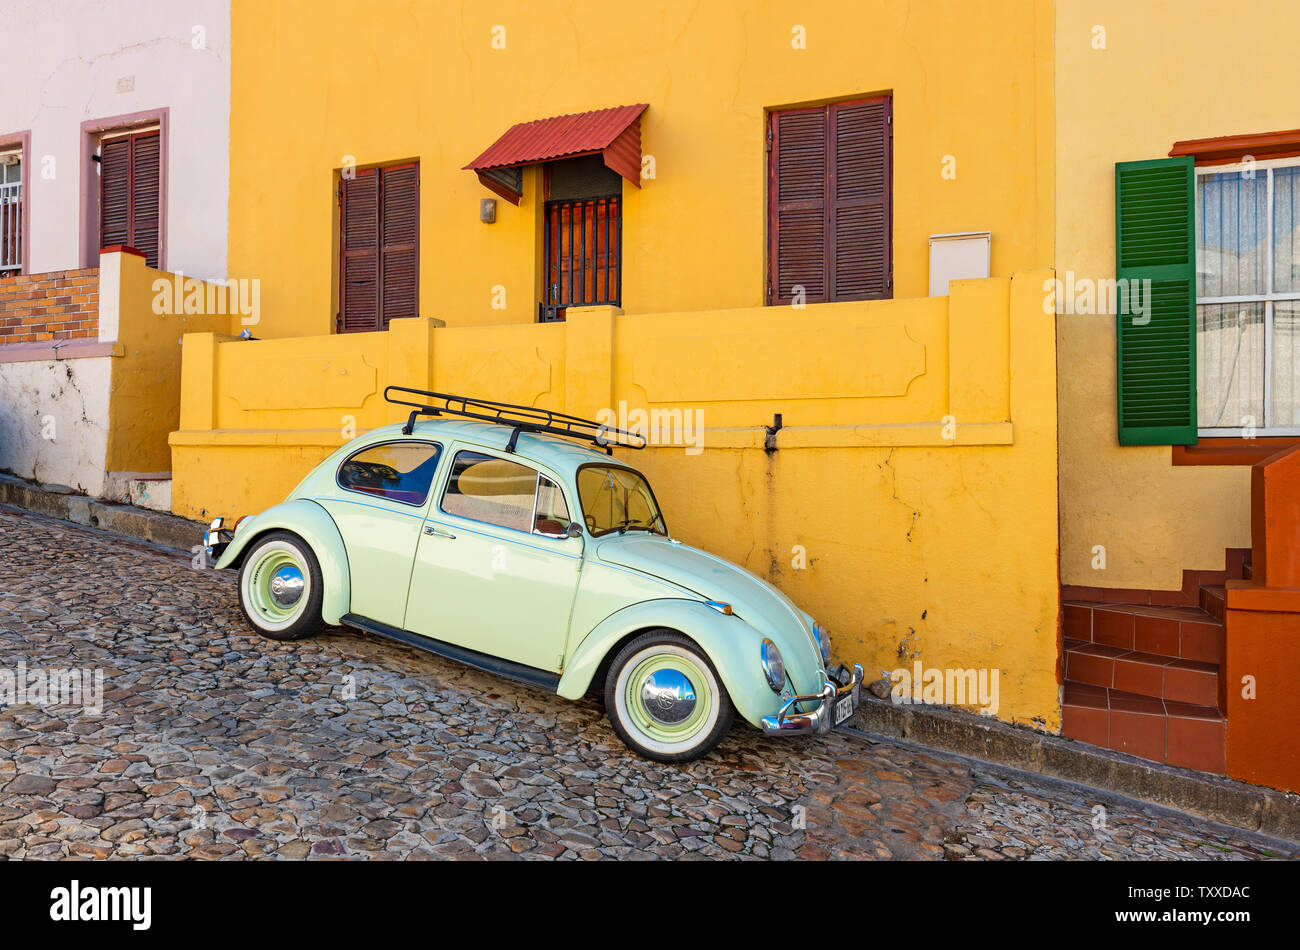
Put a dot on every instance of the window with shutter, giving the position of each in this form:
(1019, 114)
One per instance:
(830, 212)
(130, 184)
(379, 253)
(1247, 236)
(1156, 348)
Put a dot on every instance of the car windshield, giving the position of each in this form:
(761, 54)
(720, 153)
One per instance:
(617, 499)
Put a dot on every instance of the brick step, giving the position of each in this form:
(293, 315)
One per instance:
(1146, 674)
(1183, 633)
(1186, 735)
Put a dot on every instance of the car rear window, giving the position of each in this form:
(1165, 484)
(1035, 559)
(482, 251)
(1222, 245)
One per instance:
(397, 471)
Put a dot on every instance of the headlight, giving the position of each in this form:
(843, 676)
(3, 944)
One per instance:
(823, 638)
(773, 667)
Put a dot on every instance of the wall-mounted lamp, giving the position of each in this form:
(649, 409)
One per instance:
(487, 210)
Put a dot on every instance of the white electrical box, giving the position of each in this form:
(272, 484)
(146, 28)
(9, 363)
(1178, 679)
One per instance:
(958, 256)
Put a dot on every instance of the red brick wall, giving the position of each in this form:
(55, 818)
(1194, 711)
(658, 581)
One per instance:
(60, 305)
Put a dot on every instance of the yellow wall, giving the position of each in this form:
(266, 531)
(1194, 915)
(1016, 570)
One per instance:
(920, 543)
(1171, 70)
(312, 82)
(144, 405)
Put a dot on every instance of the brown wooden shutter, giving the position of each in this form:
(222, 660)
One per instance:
(130, 188)
(399, 219)
(830, 209)
(359, 253)
(146, 186)
(115, 192)
(797, 202)
(379, 255)
(858, 201)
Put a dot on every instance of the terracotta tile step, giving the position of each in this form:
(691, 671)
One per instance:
(1214, 601)
(1186, 735)
(1185, 633)
(1146, 674)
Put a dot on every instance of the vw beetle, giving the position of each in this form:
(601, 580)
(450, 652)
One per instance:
(488, 534)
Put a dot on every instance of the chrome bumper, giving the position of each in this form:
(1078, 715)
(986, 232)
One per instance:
(822, 718)
(215, 542)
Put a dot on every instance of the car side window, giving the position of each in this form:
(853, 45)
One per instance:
(492, 490)
(397, 471)
(552, 516)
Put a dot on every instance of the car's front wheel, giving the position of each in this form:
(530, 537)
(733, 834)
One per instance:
(280, 587)
(665, 699)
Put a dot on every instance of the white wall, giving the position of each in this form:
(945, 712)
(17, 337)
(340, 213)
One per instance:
(54, 421)
(62, 65)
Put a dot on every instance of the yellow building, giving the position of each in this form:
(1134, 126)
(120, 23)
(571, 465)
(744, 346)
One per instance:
(969, 92)
(747, 217)
(1172, 119)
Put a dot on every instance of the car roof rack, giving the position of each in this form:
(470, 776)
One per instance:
(519, 418)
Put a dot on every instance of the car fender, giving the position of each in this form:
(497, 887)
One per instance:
(313, 524)
(731, 645)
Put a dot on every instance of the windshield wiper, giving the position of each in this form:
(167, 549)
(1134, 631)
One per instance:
(624, 526)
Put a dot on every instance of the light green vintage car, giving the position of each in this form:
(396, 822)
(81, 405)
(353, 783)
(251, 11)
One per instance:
(488, 534)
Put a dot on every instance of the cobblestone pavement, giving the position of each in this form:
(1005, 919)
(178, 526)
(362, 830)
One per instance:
(214, 743)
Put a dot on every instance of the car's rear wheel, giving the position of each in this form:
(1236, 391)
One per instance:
(280, 587)
(665, 699)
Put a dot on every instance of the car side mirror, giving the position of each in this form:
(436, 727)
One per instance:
(574, 530)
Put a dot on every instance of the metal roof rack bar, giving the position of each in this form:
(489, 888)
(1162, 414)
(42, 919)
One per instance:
(520, 418)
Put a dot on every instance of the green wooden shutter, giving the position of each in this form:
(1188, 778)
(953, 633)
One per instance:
(1154, 241)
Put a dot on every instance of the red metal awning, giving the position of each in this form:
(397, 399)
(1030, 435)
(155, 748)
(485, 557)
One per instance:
(615, 134)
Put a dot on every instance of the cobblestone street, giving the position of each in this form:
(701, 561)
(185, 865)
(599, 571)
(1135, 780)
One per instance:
(214, 743)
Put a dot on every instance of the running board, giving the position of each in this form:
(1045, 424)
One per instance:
(528, 675)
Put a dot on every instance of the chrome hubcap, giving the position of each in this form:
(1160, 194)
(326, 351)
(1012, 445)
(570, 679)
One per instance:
(286, 585)
(668, 696)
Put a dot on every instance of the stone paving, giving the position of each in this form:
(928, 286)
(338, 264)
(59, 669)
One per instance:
(214, 743)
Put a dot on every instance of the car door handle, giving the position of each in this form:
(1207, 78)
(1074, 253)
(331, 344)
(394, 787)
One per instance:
(437, 533)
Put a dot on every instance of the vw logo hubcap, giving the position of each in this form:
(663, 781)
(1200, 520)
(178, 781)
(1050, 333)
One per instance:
(286, 585)
(668, 696)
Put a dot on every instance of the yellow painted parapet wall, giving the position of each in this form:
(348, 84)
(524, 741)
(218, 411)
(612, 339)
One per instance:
(146, 383)
(910, 500)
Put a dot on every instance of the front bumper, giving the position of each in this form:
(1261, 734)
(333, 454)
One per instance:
(839, 687)
(215, 541)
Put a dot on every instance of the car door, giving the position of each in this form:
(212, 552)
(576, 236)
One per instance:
(494, 569)
(384, 492)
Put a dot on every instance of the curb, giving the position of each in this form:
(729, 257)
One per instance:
(156, 527)
(1214, 797)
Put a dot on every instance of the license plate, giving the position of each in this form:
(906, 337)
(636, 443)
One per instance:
(843, 709)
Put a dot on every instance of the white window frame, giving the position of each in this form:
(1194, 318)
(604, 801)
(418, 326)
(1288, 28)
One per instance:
(1265, 167)
(16, 268)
